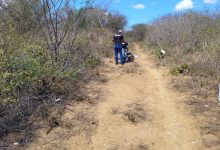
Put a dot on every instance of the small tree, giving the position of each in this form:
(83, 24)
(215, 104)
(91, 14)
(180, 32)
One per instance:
(139, 32)
(116, 22)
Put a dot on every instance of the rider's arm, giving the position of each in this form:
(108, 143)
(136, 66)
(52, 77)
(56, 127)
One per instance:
(122, 38)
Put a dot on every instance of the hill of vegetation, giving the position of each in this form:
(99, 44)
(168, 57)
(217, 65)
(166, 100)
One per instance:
(191, 41)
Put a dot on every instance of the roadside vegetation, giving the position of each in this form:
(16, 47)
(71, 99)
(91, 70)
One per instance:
(50, 50)
(47, 48)
(191, 41)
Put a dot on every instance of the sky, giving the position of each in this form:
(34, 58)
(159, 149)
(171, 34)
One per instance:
(145, 11)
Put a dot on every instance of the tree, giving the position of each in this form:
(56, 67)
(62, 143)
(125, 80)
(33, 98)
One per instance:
(139, 32)
(20, 14)
(116, 22)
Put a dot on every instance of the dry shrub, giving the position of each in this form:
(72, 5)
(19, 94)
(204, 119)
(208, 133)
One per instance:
(135, 113)
(115, 110)
(202, 104)
(208, 65)
(22, 120)
(142, 146)
(202, 43)
(50, 53)
(132, 68)
(193, 38)
(191, 31)
(211, 141)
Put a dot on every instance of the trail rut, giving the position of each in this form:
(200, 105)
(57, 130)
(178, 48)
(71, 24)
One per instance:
(140, 111)
(167, 126)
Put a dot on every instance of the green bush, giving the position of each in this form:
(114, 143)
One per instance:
(157, 53)
(179, 70)
(92, 62)
(20, 70)
(37, 66)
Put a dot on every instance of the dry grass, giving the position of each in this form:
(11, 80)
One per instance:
(200, 50)
(47, 114)
(202, 104)
(135, 113)
(116, 110)
(133, 68)
(140, 146)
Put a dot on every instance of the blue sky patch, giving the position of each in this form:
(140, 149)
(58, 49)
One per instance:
(145, 11)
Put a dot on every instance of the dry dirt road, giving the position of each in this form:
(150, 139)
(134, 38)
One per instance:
(139, 111)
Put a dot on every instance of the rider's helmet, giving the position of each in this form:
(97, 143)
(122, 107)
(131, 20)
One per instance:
(119, 31)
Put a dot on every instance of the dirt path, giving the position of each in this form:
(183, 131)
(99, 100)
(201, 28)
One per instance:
(139, 112)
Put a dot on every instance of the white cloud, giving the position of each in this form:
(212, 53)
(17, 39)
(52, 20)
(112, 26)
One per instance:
(184, 4)
(139, 6)
(210, 1)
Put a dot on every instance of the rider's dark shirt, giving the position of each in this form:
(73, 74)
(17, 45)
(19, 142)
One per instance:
(118, 39)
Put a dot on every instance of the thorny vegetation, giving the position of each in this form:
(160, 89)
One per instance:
(46, 49)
